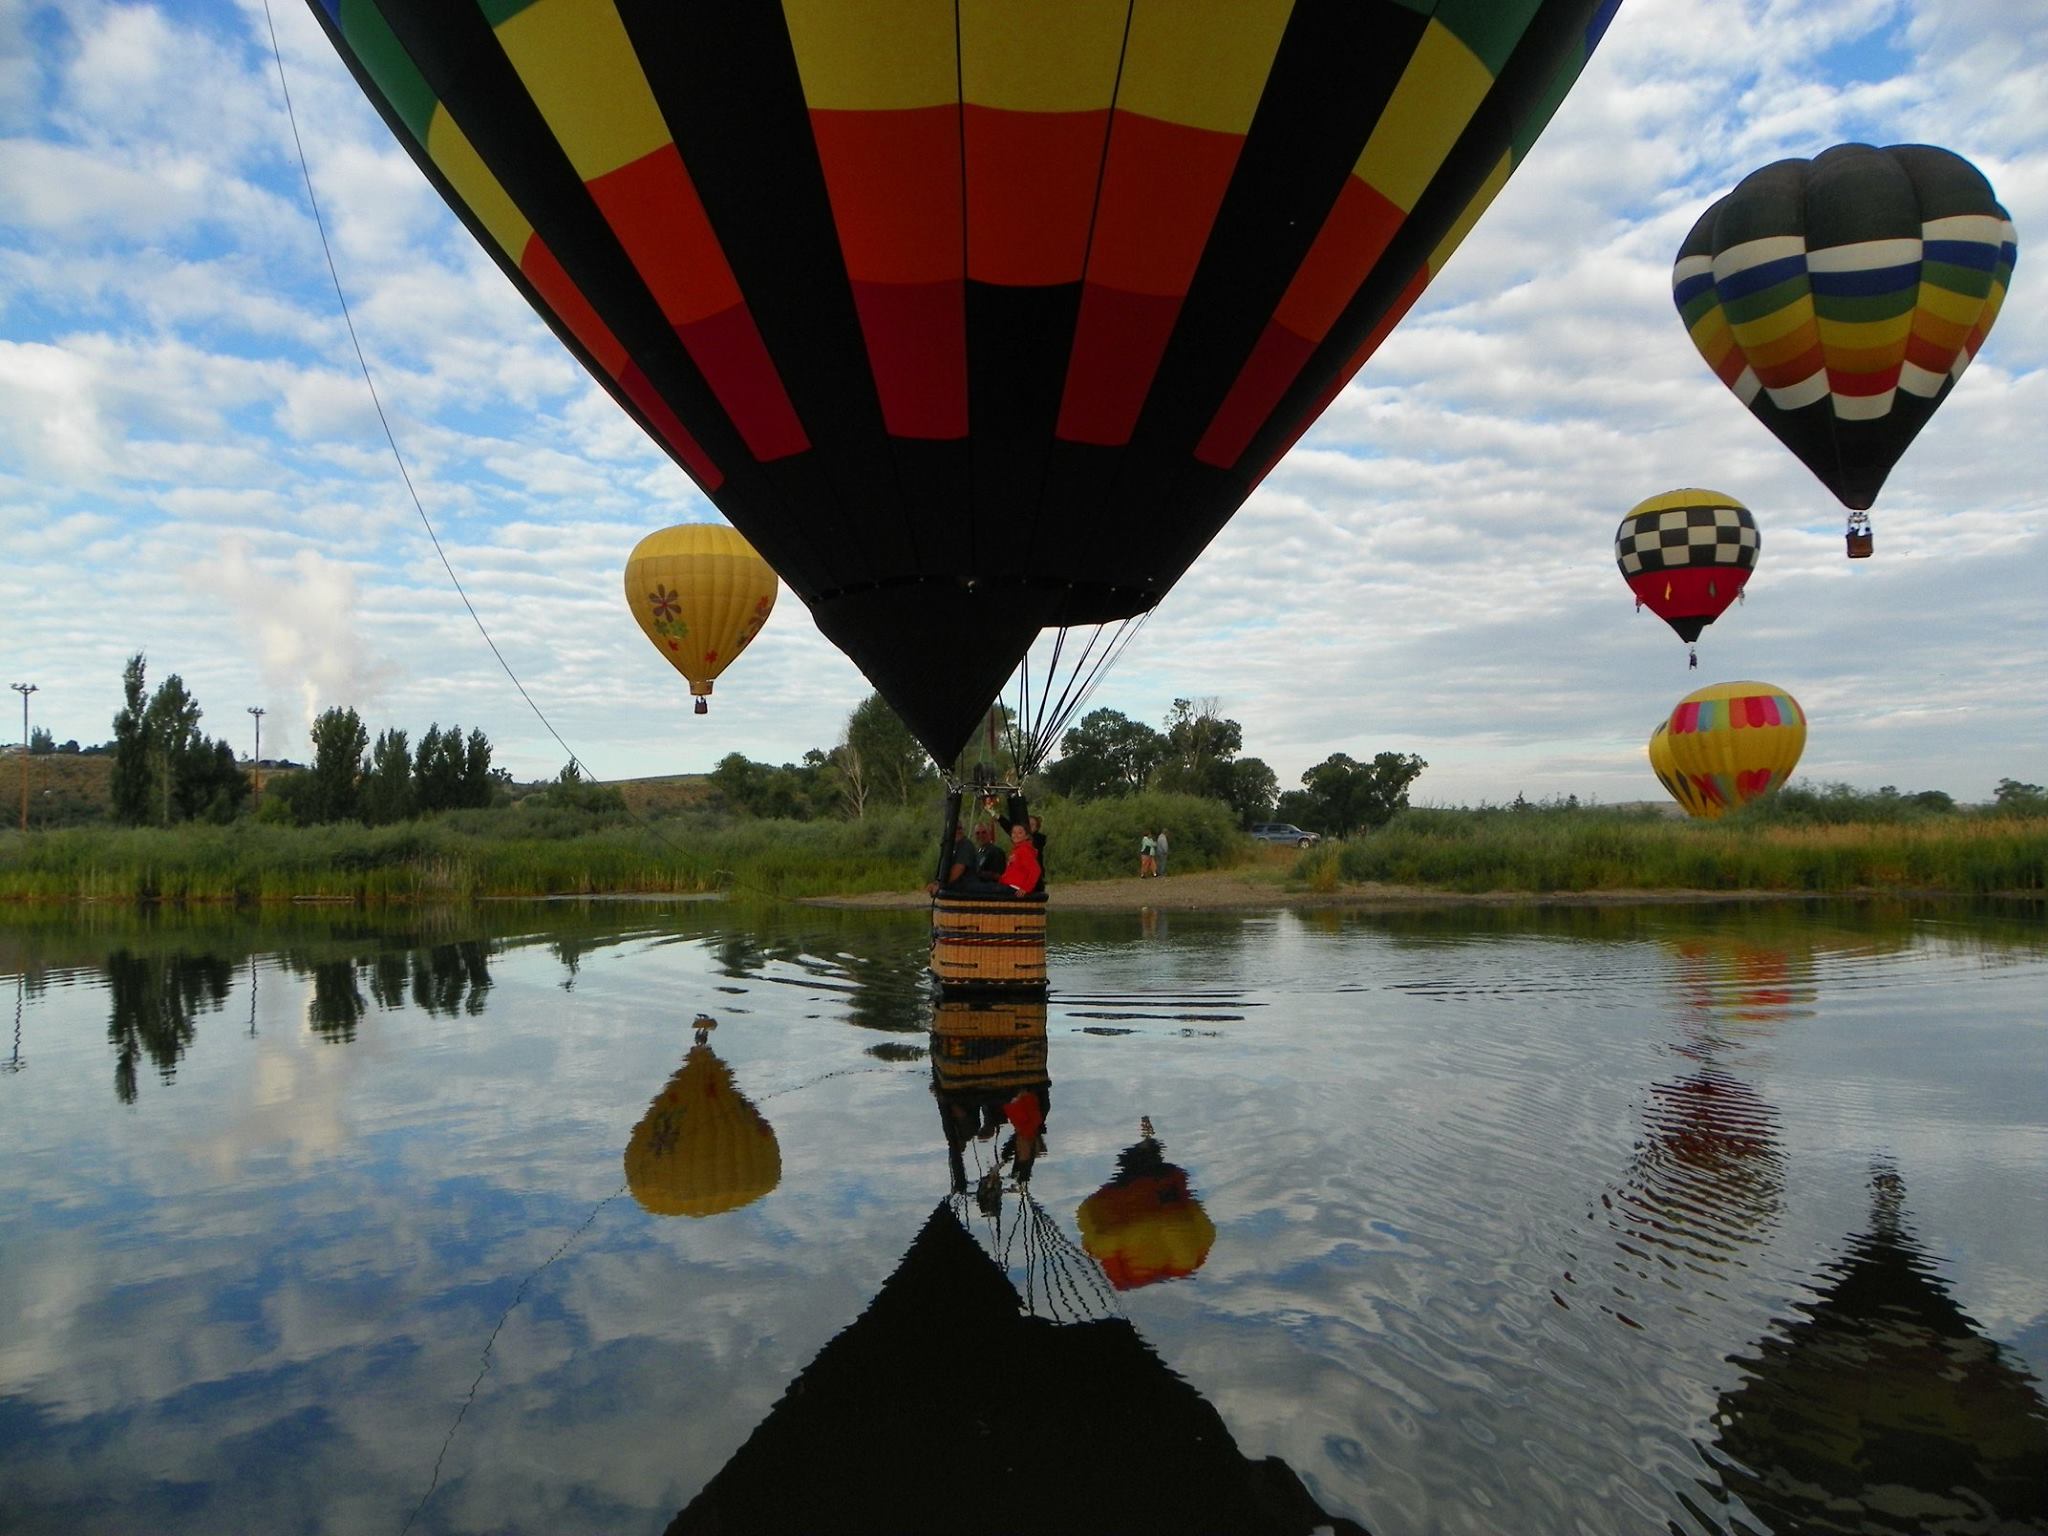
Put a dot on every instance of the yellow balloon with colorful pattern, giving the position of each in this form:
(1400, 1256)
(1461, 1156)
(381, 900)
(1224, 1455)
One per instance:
(1675, 784)
(700, 594)
(701, 1148)
(1729, 744)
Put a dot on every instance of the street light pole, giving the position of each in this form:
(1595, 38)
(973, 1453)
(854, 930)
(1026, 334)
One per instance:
(24, 689)
(256, 762)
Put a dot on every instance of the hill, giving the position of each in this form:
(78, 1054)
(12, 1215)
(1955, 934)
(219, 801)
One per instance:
(70, 789)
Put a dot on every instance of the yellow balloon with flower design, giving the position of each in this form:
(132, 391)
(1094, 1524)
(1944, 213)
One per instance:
(700, 594)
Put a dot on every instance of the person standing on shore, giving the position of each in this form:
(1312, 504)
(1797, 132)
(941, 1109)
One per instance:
(1159, 853)
(1145, 856)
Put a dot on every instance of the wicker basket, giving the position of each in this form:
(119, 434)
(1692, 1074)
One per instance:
(988, 942)
(985, 1045)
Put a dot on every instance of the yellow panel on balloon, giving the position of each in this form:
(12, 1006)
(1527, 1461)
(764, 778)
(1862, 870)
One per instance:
(1732, 743)
(700, 594)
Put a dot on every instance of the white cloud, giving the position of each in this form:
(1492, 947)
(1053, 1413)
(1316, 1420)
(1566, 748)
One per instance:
(1433, 558)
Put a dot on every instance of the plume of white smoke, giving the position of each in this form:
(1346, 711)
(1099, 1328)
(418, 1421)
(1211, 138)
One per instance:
(300, 616)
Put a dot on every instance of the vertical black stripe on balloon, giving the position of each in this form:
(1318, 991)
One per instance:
(1335, 69)
(726, 81)
(1555, 34)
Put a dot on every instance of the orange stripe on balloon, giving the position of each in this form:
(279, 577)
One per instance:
(894, 183)
(1354, 235)
(1031, 181)
(1161, 188)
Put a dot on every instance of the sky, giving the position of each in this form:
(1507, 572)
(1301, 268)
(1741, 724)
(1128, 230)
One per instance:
(191, 465)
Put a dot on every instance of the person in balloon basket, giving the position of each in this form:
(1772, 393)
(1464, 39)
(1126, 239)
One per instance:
(1037, 826)
(962, 863)
(990, 856)
(1021, 874)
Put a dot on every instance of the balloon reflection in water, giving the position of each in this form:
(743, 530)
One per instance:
(1707, 1176)
(988, 1071)
(1145, 1224)
(953, 1403)
(701, 1148)
(1884, 1408)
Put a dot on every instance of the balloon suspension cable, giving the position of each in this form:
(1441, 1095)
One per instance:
(362, 363)
(1041, 715)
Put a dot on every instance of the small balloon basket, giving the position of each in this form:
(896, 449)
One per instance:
(988, 943)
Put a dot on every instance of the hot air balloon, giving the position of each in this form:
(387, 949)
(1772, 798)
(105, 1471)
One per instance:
(1145, 1224)
(1841, 298)
(701, 1148)
(1732, 743)
(976, 319)
(1878, 1403)
(1675, 783)
(700, 594)
(1687, 555)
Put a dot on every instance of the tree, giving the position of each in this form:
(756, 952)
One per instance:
(438, 764)
(888, 760)
(387, 785)
(207, 783)
(1106, 753)
(170, 726)
(1345, 794)
(1201, 746)
(339, 742)
(476, 770)
(41, 743)
(2027, 799)
(1252, 790)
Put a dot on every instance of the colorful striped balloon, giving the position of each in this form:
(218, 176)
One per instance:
(976, 317)
(1840, 298)
(1728, 744)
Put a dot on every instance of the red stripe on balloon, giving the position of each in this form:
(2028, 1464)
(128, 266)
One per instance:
(916, 335)
(1118, 342)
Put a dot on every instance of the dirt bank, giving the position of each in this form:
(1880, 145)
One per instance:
(1227, 890)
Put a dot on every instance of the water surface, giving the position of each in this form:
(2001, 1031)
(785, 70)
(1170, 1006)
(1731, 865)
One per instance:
(1577, 1220)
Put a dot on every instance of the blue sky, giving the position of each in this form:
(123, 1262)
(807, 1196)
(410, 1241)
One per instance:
(190, 464)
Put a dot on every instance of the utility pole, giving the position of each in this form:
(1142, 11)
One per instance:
(256, 762)
(24, 689)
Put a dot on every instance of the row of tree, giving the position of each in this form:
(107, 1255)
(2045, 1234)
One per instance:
(1106, 755)
(393, 780)
(165, 768)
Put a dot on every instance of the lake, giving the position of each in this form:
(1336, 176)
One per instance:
(584, 1217)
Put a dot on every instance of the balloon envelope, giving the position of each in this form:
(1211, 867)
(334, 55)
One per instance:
(700, 594)
(1687, 555)
(1145, 1225)
(1731, 743)
(975, 318)
(702, 1147)
(1841, 297)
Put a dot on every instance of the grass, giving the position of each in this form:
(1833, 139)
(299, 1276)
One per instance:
(1595, 850)
(536, 849)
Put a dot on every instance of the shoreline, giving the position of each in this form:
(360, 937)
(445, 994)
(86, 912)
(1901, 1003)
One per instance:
(1234, 891)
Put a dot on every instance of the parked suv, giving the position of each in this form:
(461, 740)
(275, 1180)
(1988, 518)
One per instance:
(1284, 832)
